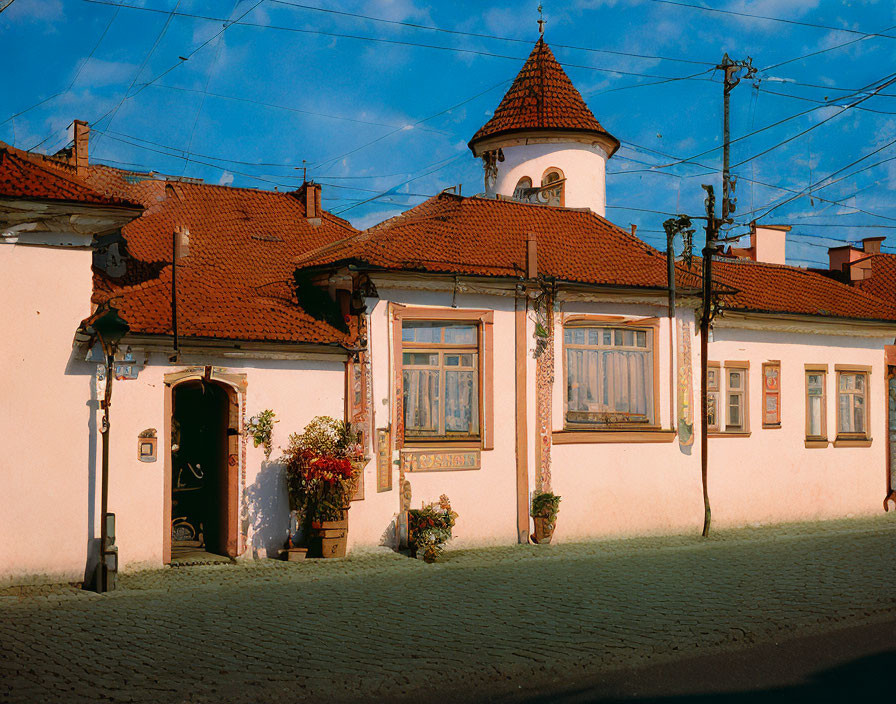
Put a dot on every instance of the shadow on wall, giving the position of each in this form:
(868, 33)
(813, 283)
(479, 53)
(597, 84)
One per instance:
(266, 517)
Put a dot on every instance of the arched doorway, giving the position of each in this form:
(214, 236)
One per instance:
(204, 477)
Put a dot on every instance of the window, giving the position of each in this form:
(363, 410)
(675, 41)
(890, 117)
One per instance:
(816, 404)
(523, 189)
(852, 406)
(440, 379)
(736, 399)
(771, 395)
(552, 195)
(609, 375)
(713, 405)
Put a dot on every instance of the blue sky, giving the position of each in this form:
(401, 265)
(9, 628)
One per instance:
(371, 113)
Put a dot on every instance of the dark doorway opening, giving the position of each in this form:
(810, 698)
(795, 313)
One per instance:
(200, 481)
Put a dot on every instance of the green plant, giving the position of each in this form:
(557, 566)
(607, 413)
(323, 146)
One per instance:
(429, 528)
(545, 505)
(323, 464)
(261, 428)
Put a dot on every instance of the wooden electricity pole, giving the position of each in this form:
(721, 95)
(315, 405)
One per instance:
(730, 70)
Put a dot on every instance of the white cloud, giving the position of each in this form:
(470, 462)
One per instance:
(226, 179)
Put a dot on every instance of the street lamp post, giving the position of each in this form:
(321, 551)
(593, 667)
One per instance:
(110, 328)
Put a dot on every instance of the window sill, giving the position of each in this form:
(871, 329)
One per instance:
(579, 437)
(729, 434)
(816, 443)
(774, 426)
(852, 442)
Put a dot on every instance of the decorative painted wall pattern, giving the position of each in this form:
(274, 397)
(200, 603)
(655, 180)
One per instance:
(544, 385)
(891, 407)
(439, 460)
(383, 460)
(685, 386)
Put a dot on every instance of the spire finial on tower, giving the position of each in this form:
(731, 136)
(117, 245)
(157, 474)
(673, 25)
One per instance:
(540, 22)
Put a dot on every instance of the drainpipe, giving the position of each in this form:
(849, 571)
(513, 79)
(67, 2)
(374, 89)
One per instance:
(670, 274)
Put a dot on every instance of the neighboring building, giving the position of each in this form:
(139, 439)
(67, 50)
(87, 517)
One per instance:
(488, 348)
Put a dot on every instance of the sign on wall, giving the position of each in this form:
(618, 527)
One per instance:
(439, 460)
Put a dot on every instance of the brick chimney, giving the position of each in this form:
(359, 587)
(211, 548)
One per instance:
(768, 243)
(80, 148)
(309, 193)
(871, 245)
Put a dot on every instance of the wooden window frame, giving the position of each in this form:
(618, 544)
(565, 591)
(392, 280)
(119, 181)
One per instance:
(484, 319)
(815, 441)
(651, 325)
(862, 439)
(714, 391)
(561, 182)
(766, 393)
(743, 430)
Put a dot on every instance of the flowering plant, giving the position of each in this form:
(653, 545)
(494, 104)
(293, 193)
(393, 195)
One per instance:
(261, 428)
(323, 464)
(429, 528)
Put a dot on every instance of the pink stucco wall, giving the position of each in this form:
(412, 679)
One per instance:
(46, 414)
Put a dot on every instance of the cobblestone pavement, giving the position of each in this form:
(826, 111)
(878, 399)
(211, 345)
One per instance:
(382, 626)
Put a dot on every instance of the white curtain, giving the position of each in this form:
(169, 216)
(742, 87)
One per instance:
(421, 400)
(609, 381)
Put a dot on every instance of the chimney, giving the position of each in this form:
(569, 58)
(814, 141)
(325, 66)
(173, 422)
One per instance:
(531, 256)
(312, 202)
(769, 243)
(871, 245)
(79, 150)
(840, 258)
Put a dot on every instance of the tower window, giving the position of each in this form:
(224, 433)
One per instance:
(523, 189)
(552, 186)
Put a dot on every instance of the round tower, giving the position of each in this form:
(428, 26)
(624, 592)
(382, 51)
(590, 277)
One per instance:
(543, 144)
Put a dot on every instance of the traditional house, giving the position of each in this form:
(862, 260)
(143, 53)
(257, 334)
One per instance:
(487, 347)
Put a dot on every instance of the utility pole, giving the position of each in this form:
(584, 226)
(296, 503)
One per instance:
(731, 70)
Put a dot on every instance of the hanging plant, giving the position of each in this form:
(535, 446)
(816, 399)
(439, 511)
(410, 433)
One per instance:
(261, 428)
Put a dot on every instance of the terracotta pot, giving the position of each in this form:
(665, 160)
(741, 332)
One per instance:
(333, 547)
(331, 537)
(544, 529)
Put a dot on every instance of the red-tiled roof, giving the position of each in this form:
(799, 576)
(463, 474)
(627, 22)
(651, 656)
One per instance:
(777, 288)
(541, 98)
(882, 282)
(34, 177)
(485, 237)
(236, 283)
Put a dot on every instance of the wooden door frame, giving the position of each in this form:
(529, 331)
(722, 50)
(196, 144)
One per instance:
(234, 385)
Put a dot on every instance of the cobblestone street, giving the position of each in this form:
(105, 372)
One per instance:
(480, 623)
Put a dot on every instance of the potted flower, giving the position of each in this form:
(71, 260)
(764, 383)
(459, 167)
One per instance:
(429, 528)
(544, 512)
(323, 465)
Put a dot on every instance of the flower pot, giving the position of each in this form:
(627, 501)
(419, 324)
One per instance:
(544, 529)
(330, 536)
(333, 547)
(296, 554)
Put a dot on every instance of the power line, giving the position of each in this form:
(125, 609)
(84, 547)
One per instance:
(823, 51)
(72, 83)
(261, 103)
(142, 66)
(489, 36)
(320, 165)
(403, 183)
(767, 127)
(382, 40)
(817, 184)
(771, 19)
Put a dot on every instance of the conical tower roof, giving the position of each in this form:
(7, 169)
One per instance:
(542, 98)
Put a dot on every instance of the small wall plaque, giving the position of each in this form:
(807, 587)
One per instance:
(439, 460)
(147, 445)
